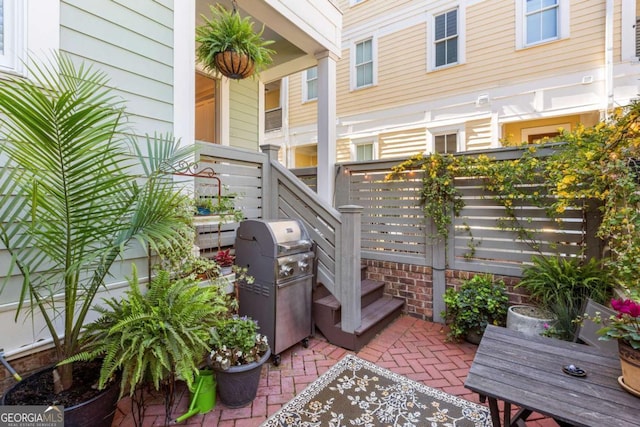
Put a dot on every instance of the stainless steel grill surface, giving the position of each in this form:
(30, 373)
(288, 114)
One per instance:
(279, 255)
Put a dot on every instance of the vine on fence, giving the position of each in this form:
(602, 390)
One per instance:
(599, 163)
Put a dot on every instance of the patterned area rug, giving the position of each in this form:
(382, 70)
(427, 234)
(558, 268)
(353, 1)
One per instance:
(355, 392)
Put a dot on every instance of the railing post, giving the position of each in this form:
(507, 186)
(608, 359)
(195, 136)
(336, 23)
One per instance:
(269, 187)
(343, 182)
(349, 260)
(438, 269)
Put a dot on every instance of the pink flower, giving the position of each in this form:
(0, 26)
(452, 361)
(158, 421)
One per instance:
(626, 306)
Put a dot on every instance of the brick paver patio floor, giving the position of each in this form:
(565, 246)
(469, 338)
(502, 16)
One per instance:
(409, 346)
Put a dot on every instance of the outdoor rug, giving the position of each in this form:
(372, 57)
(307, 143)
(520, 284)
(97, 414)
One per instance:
(355, 392)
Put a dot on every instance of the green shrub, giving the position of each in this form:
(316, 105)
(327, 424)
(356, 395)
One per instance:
(479, 302)
(562, 285)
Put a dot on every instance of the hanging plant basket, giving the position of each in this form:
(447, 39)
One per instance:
(228, 44)
(234, 65)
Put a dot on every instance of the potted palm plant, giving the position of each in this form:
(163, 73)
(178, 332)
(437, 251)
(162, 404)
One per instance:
(229, 45)
(76, 192)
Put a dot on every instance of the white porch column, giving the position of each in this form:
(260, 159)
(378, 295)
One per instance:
(326, 125)
(184, 65)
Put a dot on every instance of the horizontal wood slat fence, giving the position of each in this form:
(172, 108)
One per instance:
(392, 225)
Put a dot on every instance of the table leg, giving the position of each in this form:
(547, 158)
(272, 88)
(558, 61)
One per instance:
(507, 414)
(520, 418)
(495, 412)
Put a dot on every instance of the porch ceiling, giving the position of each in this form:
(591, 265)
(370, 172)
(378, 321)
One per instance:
(300, 30)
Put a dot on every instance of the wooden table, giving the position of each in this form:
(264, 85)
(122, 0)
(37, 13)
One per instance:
(527, 371)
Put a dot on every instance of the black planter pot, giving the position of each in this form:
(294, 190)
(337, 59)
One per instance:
(238, 385)
(95, 412)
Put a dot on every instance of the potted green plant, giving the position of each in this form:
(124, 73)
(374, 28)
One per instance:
(154, 337)
(81, 192)
(561, 286)
(237, 355)
(227, 43)
(480, 301)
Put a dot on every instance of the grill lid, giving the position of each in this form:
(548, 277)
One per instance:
(275, 237)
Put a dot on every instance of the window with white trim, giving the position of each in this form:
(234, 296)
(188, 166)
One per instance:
(310, 87)
(446, 143)
(445, 38)
(364, 152)
(541, 21)
(12, 35)
(364, 64)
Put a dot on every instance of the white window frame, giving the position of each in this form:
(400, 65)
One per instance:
(14, 37)
(355, 2)
(32, 30)
(521, 27)
(364, 141)
(305, 86)
(458, 129)
(431, 42)
(628, 28)
(374, 60)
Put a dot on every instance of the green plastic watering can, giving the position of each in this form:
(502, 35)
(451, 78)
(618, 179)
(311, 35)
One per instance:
(203, 398)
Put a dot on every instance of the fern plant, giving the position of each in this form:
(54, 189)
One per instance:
(562, 286)
(228, 31)
(154, 337)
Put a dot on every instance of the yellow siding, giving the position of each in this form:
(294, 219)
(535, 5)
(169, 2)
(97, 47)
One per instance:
(343, 150)
(359, 14)
(403, 144)
(300, 113)
(491, 59)
(401, 74)
(478, 135)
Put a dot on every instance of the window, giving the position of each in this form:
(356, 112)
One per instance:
(445, 143)
(364, 152)
(540, 21)
(446, 38)
(364, 64)
(12, 35)
(630, 30)
(311, 84)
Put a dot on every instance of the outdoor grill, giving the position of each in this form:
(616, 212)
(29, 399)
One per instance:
(279, 255)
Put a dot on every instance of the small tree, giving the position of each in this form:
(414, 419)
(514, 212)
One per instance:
(76, 192)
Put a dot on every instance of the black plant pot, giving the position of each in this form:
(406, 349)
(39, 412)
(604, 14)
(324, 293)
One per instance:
(97, 411)
(238, 385)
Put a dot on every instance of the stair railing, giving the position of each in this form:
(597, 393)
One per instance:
(335, 232)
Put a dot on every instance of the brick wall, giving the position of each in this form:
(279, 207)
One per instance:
(414, 284)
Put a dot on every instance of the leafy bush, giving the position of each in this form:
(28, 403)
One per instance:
(562, 285)
(479, 302)
(154, 337)
(236, 341)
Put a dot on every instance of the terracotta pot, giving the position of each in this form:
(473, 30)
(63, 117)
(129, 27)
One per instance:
(238, 385)
(630, 363)
(234, 65)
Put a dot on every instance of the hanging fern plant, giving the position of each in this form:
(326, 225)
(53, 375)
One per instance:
(228, 44)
